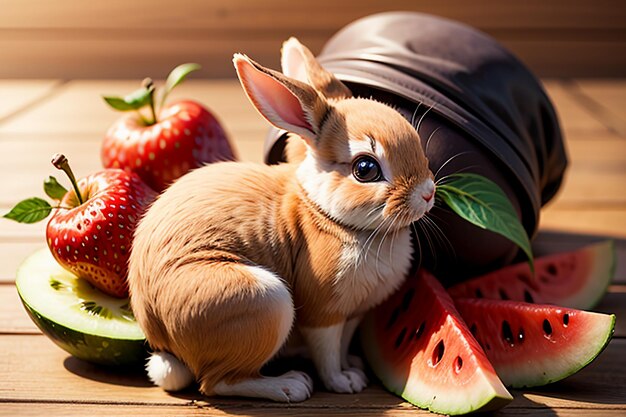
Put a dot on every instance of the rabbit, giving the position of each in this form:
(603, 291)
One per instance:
(235, 258)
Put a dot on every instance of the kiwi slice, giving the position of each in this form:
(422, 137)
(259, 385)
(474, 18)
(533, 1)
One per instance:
(76, 316)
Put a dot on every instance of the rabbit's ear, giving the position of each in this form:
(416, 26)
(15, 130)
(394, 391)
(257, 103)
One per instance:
(286, 103)
(298, 62)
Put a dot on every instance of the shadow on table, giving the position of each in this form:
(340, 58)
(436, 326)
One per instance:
(127, 376)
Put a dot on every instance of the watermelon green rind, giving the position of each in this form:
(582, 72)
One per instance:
(58, 302)
(94, 349)
(605, 272)
(582, 286)
(537, 359)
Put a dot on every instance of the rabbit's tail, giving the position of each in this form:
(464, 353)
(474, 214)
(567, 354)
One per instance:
(168, 372)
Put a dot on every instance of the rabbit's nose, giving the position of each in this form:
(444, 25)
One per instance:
(428, 191)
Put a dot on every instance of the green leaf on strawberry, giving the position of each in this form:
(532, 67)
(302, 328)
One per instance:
(30, 210)
(53, 189)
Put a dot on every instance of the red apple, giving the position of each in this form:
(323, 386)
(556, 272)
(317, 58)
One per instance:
(165, 145)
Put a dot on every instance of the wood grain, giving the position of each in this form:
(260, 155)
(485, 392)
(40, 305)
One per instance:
(18, 96)
(59, 54)
(55, 409)
(78, 108)
(50, 374)
(607, 99)
(82, 40)
(250, 15)
(574, 117)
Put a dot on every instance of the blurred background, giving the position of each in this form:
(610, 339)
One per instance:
(70, 39)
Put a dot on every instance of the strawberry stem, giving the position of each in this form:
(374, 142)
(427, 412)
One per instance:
(149, 85)
(61, 162)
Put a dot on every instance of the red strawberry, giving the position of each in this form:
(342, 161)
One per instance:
(178, 137)
(91, 232)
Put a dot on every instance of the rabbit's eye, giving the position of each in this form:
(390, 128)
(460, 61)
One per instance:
(366, 169)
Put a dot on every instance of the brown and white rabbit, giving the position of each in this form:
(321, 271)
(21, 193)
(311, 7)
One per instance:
(235, 257)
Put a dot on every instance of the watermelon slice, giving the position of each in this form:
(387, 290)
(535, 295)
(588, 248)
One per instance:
(532, 345)
(420, 348)
(576, 279)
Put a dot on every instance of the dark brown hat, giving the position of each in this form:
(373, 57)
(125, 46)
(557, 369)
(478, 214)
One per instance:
(477, 109)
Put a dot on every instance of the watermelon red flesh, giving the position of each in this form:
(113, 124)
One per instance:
(421, 349)
(576, 279)
(531, 345)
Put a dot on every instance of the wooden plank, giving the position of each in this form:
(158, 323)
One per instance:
(79, 109)
(13, 317)
(225, 15)
(18, 95)
(67, 54)
(607, 98)
(573, 116)
(71, 409)
(605, 222)
(63, 409)
(50, 375)
(12, 254)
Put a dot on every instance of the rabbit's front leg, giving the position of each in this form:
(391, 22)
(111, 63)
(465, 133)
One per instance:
(325, 346)
(347, 360)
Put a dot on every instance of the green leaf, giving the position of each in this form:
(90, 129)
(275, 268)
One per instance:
(53, 189)
(176, 77)
(134, 101)
(481, 202)
(30, 210)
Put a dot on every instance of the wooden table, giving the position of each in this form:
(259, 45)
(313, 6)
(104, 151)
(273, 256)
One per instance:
(39, 118)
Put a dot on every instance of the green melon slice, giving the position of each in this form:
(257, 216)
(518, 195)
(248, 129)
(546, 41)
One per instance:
(420, 348)
(76, 316)
(576, 279)
(531, 345)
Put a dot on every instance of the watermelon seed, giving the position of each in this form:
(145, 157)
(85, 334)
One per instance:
(393, 318)
(547, 327)
(528, 297)
(458, 364)
(400, 338)
(473, 329)
(408, 297)
(520, 335)
(565, 319)
(503, 294)
(551, 269)
(507, 334)
(479, 293)
(438, 353)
